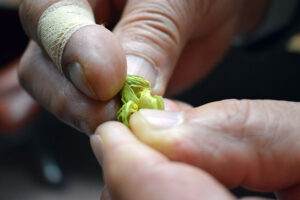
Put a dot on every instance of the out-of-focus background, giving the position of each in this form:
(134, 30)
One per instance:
(42, 159)
(9, 3)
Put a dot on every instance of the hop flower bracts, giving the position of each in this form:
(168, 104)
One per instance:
(135, 95)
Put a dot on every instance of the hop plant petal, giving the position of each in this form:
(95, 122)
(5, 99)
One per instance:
(135, 95)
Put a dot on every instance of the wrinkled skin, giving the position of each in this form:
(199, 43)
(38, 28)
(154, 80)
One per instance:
(204, 154)
(173, 44)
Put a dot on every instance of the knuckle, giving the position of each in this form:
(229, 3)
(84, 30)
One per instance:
(64, 110)
(154, 22)
(249, 119)
(235, 114)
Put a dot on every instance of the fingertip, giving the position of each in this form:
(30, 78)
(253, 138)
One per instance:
(119, 151)
(114, 134)
(97, 147)
(176, 106)
(170, 105)
(139, 128)
(101, 64)
(111, 127)
(143, 126)
(102, 139)
(118, 141)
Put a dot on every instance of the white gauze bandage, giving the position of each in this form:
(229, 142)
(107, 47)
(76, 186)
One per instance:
(58, 23)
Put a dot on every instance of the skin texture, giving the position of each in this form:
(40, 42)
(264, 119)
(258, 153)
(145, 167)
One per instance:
(133, 171)
(173, 44)
(61, 98)
(162, 41)
(246, 143)
(103, 82)
(126, 160)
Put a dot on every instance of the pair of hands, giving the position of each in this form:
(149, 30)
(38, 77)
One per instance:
(173, 44)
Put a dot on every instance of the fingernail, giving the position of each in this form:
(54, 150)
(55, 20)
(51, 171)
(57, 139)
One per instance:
(97, 146)
(75, 74)
(140, 66)
(161, 119)
(170, 106)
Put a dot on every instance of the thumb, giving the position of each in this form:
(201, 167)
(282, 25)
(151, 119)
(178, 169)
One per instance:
(253, 143)
(129, 164)
(153, 34)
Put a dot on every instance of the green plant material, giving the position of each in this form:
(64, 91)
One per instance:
(135, 95)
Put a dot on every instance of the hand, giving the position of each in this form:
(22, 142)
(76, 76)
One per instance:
(134, 171)
(175, 42)
(254, 144)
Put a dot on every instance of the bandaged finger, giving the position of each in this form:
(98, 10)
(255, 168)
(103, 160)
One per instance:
(58, 23)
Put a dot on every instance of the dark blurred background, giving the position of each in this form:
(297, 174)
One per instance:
(47, 160)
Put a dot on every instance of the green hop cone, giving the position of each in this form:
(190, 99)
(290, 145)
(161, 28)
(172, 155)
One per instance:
(135, 95)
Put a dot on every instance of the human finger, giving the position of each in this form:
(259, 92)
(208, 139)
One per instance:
(56, 94)
(134, 171)
(173, 105)
(200, 54)
(88, 55)
(248, 143)
(198, 58)
(154, 33)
